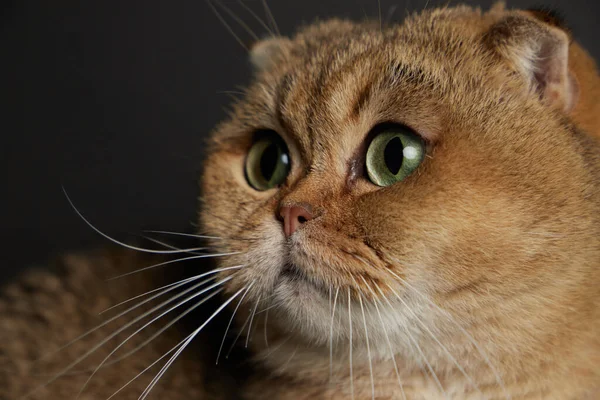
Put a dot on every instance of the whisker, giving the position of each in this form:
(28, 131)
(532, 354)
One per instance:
(416, 344)
(177, 285)
(123, 328)
(390, 14)
(185, 344)
(274, 349)
(182, 282)
(256, 17)
(289, 360)
(237, 19)
(362, 309)
(272, 306)
(265, 329)
(337, 291)
(270, 16)
(444, 349)
(148, 367)
(226, 25)
(387, 338)
(252, 319)
(350, 343)
(231, 320)
(240, 332)
(111, 336)
(464, 332)
(187, 299)
(172, 262)
(183, 234)
(232, 93)
(141, 249)
(169, 246)
(379, 11)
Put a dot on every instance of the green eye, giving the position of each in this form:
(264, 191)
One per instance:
(393, 155)
(268, 162)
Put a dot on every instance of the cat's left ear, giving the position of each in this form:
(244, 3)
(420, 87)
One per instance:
(537, 47)
(269, 52)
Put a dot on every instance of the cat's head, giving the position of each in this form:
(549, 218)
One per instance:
(404, 170)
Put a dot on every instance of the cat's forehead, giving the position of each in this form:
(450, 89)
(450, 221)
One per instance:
(337, 79)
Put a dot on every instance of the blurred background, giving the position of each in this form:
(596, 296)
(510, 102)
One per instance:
(112, 100)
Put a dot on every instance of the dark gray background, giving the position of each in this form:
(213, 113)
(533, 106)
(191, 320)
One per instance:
(112, 100)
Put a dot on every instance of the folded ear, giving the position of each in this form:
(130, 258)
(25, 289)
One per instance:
(269, 52)
(537, 47)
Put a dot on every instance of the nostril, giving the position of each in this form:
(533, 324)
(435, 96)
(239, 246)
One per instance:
(295, 216)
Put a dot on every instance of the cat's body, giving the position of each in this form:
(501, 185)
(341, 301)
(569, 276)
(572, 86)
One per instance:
(479, 269)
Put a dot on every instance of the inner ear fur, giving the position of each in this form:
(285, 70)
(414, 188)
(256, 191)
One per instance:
(537, 47)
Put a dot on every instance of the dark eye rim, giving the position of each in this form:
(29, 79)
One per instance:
(257, 136)
(381, 128)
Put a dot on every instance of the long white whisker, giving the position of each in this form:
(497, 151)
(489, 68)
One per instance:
(104, 235)
(148, 367)
(240, 332)
(464, 332)
(416, 344)
(170, 246)
(387, 338)
(350, 342)
(118, 331)
(362, 309)
(177, 285)
(147, 324)
(172, 262)
(183, 234)
(231, 321)
(252, 319)
(337, 291)
(181, 282)
(270, 307)
(186, 343)
(444, 349)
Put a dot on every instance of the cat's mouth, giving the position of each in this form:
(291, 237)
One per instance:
(295, 275)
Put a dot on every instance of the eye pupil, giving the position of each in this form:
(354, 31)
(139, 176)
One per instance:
(395, 151)
(268, 161)
(392, 155)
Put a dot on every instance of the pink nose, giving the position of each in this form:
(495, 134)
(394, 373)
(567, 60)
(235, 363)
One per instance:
(293, 217)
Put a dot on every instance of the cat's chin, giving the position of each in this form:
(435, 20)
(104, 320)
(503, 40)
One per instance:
(298, 281)
(302, 303)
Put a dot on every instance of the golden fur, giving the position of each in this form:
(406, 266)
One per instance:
(481, 270)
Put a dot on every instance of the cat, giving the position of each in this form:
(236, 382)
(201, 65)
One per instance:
(396, 212)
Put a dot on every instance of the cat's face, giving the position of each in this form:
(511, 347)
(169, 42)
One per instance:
(400, 171)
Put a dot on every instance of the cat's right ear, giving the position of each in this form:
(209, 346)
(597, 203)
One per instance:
(535, 45)
(269, 52)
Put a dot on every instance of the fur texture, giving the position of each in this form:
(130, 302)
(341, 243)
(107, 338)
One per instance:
(477, 277)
